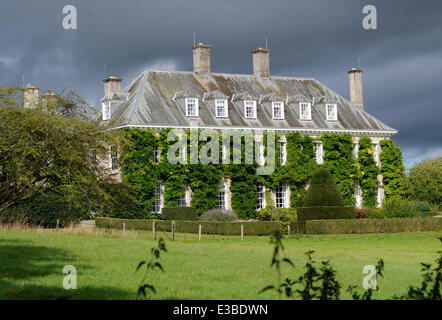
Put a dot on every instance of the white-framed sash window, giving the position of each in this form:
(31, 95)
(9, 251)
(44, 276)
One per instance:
(305, 111)
(192, 107)
(250, 109)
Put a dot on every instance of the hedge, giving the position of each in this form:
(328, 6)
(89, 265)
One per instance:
(255, 228)
(180, 213)
(325, 212)
(347, 226)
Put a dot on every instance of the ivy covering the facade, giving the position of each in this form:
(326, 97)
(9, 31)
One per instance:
(368, 172)
(392, 170)
(338, 158)
(205, 180)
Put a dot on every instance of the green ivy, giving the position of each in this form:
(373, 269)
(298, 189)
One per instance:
(368, 171)
(392, 169)
(299, 168)
(338, 158)
(204, 180)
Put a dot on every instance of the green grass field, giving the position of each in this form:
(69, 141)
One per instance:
(31, 263)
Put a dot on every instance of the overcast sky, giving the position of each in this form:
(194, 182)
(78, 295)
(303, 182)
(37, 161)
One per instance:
(401, 60)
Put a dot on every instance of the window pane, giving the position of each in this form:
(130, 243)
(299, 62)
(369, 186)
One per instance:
(250, 109)
(221, 108)
(281, 196)
(261, 196)
(114, 158)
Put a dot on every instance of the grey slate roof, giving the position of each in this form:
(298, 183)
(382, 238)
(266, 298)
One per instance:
(156, 99)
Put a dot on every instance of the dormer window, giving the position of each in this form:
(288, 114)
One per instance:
(106, 110)
(221, 108)
(192, 107)
(278, 110)
(305, 111)
(332, 111)
(250, 109)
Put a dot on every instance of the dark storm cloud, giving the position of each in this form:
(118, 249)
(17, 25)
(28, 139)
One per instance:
(402, 60)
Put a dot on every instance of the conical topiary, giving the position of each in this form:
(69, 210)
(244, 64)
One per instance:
(323, 190)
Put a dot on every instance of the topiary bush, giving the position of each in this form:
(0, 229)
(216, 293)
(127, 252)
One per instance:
(323, 190)
(323, 199)
(219, 215)
(398, 208)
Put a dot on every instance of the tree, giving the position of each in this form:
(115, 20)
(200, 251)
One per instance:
(424, 181)
(52, 146)
(392, 170)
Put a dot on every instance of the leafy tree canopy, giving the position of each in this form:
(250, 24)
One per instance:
(48, 147)
(424, 181)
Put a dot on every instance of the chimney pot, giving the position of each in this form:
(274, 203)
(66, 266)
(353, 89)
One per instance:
(201, 59)
(356, 96)
(261, 63)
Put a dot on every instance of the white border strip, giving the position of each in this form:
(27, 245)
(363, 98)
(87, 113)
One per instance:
(354, 131)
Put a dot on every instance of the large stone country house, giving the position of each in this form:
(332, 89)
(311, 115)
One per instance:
(260, 101)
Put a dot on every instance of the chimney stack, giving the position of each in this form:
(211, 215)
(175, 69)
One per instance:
(261, 63)
(49, 101)
(201, 59)
(112, 85)
(355, 76)
(30, 97)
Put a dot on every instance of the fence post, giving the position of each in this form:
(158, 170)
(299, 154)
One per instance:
(153, 231)
(124, 229)
(242, 232)
(173, 230)
(199, 232)
(288, 230)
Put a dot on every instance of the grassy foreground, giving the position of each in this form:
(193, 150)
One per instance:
(31, 263)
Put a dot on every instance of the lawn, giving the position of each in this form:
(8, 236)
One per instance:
(31, 263)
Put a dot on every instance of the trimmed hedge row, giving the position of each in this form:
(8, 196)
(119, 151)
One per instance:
(347, 226)
(255, 228)
(180, 213)
(325, 212)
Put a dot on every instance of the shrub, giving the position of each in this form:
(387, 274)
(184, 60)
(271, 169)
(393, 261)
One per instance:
(423, 206)
(284, 215)
(323, 190)
(324, 212)
(323, 199)
(398, 208)
(347, 226)
(180, 213)
(121, 203)
(45, 210)
(375, 213)
(219, 215)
